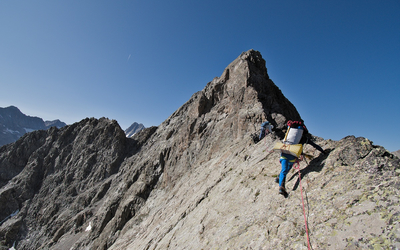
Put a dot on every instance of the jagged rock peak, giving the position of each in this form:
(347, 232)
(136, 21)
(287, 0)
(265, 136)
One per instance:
(133, 129)
(248, 64)
(243, 95)
(238, 75)
(55, 171)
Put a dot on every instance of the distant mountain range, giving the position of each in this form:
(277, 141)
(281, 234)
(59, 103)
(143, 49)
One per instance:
(14, 124)
(133, 129)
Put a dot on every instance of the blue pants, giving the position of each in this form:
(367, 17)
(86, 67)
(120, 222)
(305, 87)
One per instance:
(286, 166)
(262, 134)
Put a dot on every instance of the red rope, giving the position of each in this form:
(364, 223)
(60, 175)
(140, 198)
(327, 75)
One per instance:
(302, 200)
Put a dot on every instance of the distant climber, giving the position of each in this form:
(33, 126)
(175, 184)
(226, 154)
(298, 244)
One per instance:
(296, 135)
(265, 127)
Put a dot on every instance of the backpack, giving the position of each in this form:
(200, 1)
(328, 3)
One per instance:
(291, 143)
(294, 124)
(295, 132)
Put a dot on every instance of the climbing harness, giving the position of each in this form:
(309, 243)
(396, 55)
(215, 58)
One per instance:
(302, 200)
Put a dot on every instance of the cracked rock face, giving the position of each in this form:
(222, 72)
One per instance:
(197, 181)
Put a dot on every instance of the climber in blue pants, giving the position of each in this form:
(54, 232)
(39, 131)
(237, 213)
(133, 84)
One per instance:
(287, 162)
(266, 127)
(299, 135)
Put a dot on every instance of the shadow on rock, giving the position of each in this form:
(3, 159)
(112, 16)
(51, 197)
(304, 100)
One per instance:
(315, 165)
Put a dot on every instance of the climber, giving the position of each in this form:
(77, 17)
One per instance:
(265, 126)
(298, 135)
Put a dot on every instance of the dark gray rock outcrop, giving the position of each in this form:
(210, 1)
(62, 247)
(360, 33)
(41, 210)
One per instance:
(197, 181)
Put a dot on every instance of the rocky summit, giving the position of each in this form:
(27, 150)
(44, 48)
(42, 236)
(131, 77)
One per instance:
(133, 129)
(198, 181)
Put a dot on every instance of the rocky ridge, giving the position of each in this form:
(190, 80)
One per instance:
(197, 181)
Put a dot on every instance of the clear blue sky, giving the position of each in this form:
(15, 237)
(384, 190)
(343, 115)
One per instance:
(337, 61)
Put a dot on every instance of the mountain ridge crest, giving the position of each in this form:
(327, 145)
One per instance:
(198, 180)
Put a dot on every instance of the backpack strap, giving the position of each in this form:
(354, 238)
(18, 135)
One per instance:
(287, 132)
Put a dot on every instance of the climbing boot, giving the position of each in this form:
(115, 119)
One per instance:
(282, 191)
(277, 180)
